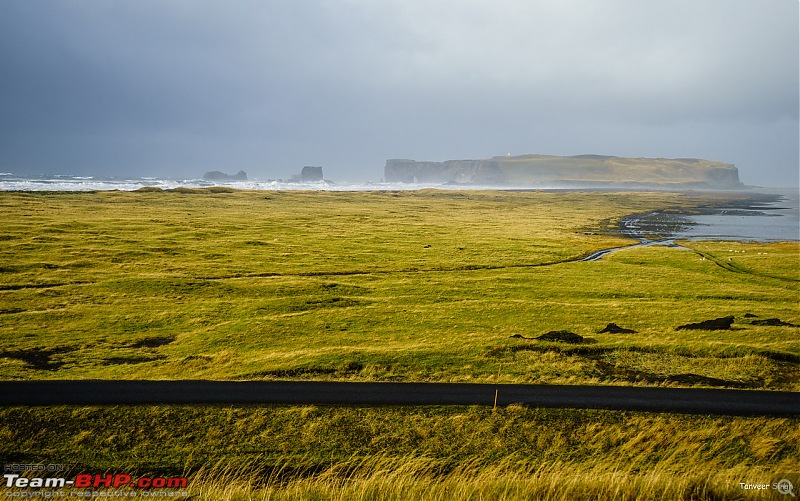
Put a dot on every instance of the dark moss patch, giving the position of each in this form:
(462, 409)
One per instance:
(561, 336)
(17, 287)
(304, 372)
(296, 372)
(780, 356)
(607, 370)
(153, 342)
(722, 323)
(712, 381)
(583, 350)
(198, 358)
(38, 358)
(613, 328)
(315, 304)
(775, 322)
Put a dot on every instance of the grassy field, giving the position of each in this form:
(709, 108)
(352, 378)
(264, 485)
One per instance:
(409, 286)
(383, 286)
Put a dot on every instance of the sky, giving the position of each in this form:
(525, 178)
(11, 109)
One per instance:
(174, 88)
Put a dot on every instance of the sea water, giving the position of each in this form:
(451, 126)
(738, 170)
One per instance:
(12, 182)
(777, 221)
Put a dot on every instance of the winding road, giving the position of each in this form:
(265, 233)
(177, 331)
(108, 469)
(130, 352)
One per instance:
(681, 400)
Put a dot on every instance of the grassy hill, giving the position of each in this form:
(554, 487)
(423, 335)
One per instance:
(581, 170)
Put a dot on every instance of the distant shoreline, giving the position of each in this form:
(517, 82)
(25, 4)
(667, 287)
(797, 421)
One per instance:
(13, 182)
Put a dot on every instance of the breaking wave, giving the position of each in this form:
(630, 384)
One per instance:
(12, 182)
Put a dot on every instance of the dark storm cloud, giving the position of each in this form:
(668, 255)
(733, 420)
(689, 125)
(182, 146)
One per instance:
(176, 88)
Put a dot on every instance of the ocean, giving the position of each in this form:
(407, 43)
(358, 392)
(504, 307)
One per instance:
(12, 182)
(764, 222)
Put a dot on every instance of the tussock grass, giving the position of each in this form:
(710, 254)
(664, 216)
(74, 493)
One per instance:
(328, 452)
(411, 479)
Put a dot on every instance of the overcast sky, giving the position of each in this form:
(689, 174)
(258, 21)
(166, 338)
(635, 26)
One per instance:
(176, 88)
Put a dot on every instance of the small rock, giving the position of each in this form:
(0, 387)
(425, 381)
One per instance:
(750, 315)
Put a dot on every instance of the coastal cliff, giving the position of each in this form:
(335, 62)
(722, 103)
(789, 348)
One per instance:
(573, 171)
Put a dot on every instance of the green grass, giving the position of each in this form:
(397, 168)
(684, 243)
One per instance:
(408, 286)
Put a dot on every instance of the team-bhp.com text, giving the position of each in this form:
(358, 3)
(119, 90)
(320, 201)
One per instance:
(85, 480)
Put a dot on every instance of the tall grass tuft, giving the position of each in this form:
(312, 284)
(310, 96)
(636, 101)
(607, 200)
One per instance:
(417, 477)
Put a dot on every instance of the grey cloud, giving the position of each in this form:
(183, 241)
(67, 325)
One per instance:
(180, 87)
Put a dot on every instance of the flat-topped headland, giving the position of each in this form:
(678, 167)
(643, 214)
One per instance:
(571, 171)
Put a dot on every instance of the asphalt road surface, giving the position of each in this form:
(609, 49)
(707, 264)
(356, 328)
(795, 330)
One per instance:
(682, 400)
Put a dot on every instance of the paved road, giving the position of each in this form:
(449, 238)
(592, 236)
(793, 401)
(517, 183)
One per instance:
(683, 400)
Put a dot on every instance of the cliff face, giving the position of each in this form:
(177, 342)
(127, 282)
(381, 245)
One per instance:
(582, 170)
(456, 171)
(216, 175)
